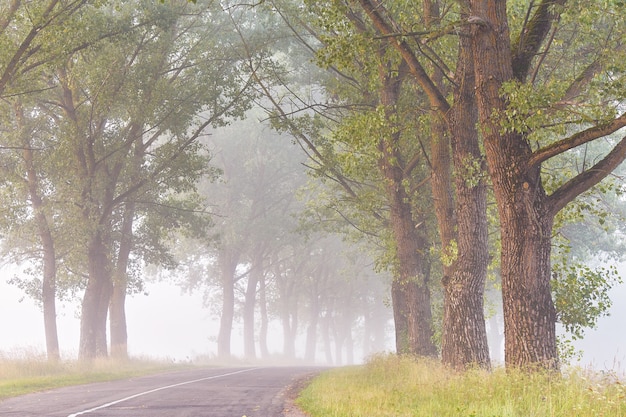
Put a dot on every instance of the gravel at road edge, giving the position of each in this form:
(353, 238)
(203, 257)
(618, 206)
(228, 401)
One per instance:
(291, 395)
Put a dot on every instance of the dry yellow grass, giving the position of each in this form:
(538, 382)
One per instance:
(24, 372)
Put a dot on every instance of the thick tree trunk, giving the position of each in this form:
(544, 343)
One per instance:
(48, 295)
(48, 287)
(102, 346)
(529, 313)
(248, 310)
(410, 288)
(228, 264)
(117, 319)
(410, 291)
(420, 317)
(328, 353)
(464, 339)
(311, 334)
(399, 304)
(525, 222)
(117, 307)
(290, 324)
(374, 327)
(264, 319)
(97, 283)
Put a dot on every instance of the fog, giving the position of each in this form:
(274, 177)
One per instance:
(168, 324)
(164, 324)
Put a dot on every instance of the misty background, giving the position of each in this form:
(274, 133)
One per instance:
(170, 324)
(260, 211)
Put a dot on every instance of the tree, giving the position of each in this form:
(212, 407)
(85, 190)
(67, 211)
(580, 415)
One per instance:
(127, 113)
(504, 66)
(463, 246)
(29, 35)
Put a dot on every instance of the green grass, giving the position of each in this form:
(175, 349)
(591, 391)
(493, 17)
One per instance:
(32, 372)
(396, 386)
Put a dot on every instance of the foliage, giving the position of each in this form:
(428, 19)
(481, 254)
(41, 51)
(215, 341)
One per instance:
(581, 295)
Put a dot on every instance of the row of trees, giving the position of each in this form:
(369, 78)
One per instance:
(417, 117)
(440, 106)
(263, 265)
(103, 106)
(108, 166)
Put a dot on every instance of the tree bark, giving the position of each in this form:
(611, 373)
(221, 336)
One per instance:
(91, 316)
(328, 353)
(264, 319)
(48, 287)
(250, 304)
(117, 307)
(525, 221)
(311, 334)
(410, 291)
(48, 295)
(290, 325)
(464, 338)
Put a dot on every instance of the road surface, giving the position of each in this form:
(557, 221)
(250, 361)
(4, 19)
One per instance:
(214, 392)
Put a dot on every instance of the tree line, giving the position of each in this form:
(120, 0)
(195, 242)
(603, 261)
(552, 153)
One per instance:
(438, 134)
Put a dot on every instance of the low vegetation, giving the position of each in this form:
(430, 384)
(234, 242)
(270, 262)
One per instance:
(397, 386)
(25, 373)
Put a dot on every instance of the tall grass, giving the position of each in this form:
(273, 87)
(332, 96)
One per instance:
(25, 372)
(397, 386)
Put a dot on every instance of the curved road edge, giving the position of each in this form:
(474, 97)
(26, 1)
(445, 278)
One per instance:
(292, 392)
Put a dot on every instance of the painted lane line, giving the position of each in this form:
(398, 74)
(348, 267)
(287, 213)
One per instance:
(100, 407)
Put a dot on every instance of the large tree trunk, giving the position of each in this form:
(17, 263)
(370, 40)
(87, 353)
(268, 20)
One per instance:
(290, 325)
(91, 311)
(399, 304)
(314, 314)
(48, 287)
(464, 339)
(525, 222)
(117, 307)
(264, 319)
(410, 289)
(48, 298)
(228, 265)
(374, 326)
(463, 281)
(250, 305)
(117, 318)
(102, 346)
(325, 328)
(289, 318)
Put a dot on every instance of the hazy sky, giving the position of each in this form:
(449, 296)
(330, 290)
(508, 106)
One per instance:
(168, 324)
(164, 324)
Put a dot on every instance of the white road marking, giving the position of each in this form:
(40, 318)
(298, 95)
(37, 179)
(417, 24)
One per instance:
(100, 407)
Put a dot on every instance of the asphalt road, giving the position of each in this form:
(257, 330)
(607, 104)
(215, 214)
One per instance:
(215, 392)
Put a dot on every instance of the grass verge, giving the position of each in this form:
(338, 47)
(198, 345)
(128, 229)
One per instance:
(32, 373)
(398, 387)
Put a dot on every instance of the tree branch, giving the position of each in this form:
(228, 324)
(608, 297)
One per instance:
(385, 26)
(587, 179)
(531, 37)
(577, 139)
